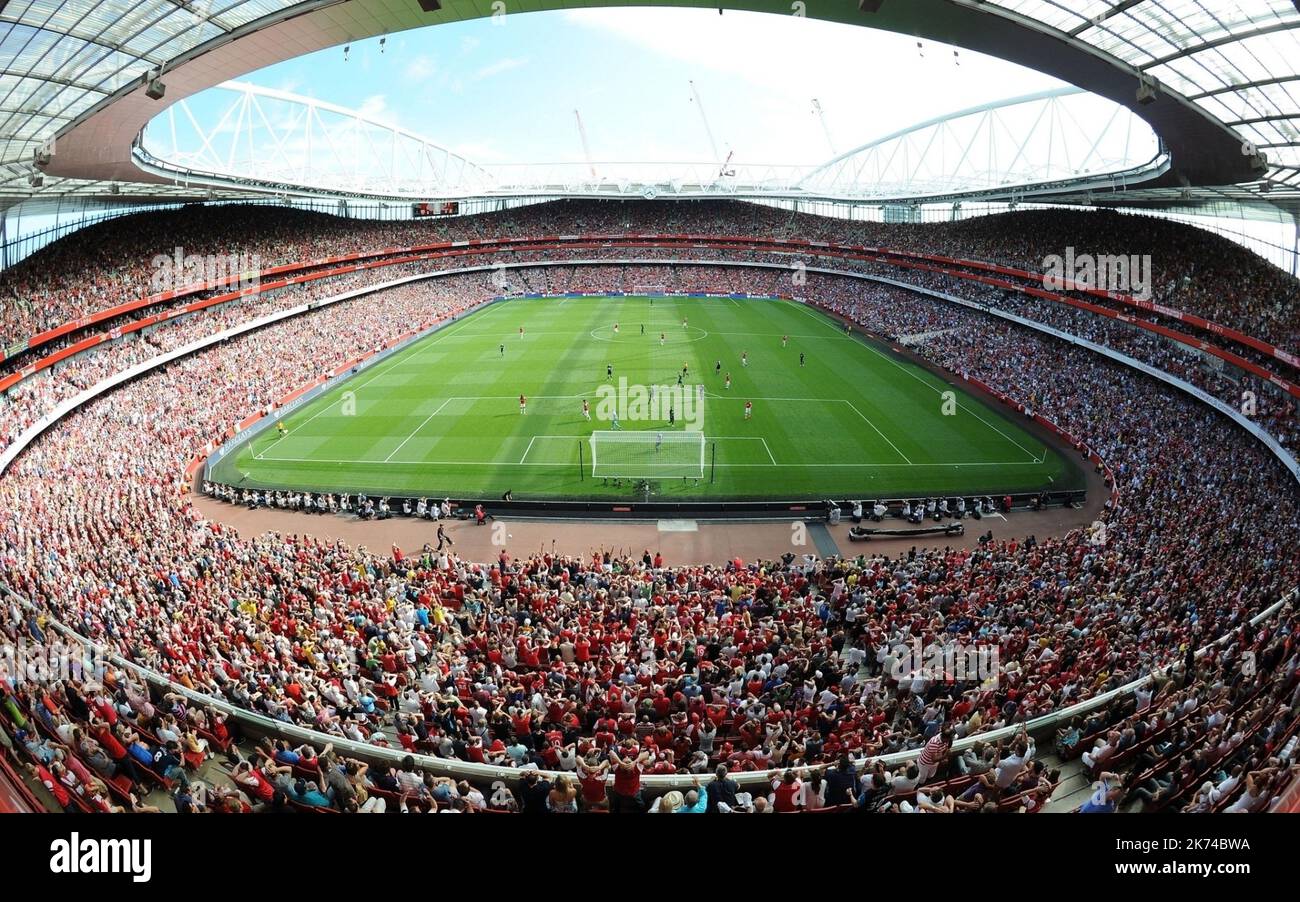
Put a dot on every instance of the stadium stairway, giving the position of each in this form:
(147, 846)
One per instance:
(214, 772)
(1074, 787)
(823, 541)
(38, 789)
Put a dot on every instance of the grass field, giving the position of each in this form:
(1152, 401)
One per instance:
(442, 416)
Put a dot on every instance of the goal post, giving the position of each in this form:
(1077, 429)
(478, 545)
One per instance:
(647, 454)
(647, 290)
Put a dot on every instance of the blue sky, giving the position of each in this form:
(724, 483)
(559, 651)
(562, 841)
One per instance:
(504, 90)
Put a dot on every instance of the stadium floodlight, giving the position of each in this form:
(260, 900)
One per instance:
(430, 6)
(870, 6)
(154, 89)
(647, 454)
(1147, 91)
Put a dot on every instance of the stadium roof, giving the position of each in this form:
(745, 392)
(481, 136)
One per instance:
(1225, 74)
(244, 135)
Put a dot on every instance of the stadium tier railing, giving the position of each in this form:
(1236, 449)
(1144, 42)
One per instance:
(1282, 454)
(78, 400)
(72, 403)
(310, 272)
(1127, 300)
(257, 724)
(950, 266)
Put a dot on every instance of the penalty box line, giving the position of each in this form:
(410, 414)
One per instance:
(852, 407)
(389, 458)
(767, 448)
(707, 438)
(401, 357)
(476, 398)
(729, 466)
(828, 323)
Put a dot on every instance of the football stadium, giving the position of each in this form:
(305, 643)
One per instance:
(874, 407)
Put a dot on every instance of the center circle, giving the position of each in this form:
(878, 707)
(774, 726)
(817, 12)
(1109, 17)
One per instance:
(672, 335)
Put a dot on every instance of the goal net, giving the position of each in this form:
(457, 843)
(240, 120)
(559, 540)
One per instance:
(648, 454)
(645, 290)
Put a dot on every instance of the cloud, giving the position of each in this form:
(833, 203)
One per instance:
(500, 66)
(374, 107)
(483, 152)
(756, 73)
(420, 68)
(870, 82)
(290, 84)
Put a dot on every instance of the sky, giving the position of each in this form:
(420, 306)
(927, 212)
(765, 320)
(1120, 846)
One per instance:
(504, 90)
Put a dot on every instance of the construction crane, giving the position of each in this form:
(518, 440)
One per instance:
(821, 116)
(705, 119)
(586, 148)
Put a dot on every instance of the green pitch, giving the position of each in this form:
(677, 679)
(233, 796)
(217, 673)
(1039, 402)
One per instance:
(442, 416)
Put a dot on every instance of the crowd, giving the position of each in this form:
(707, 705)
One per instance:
(113, 262)
(1273, 409)
(1193, 270)
(62, 282)
(606, 667)
(40, 393)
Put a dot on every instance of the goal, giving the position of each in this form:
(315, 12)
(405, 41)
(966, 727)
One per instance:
(647, 454)
(647, 290)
